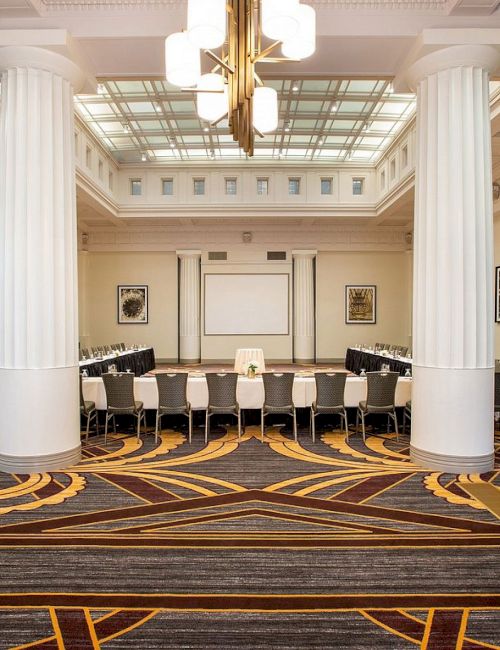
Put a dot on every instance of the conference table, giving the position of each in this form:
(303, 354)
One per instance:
(249, 392)
(356, 360)
(137, 362)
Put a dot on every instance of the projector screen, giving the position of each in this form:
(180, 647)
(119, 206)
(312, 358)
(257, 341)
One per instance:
(250, 303)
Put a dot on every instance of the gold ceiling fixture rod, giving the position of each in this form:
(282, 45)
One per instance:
(238, 27)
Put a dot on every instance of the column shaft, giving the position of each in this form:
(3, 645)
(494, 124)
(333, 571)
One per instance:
(38, 270)
(189, 307)
(303, 307)
(453, 359)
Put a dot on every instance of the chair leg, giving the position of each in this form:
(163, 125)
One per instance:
(138, 425)
(157, 423)
(343, 417)
(114, 423)
(106, 428)
(239, 425)
(312, 426)
(88, 427)
(262, 425)
(294, 425)
(207, 422)
(396, 425)
(190, 425)
(242, 420)
(357, 421)
(363, 425)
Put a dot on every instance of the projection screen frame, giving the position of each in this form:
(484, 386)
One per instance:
(205, 275)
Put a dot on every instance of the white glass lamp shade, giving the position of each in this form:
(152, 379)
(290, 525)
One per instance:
(207, 23)
(265, 109)
(280, 19)
(303, 44)
(182, 60)
(212, 106)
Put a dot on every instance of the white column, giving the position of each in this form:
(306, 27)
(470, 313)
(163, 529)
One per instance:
(303, 306)
(453, 358)
(39, 429)
(189, 306)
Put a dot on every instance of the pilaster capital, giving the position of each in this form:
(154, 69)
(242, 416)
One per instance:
(311, 254)
(486, 57)
(182, 254)
(39, 58)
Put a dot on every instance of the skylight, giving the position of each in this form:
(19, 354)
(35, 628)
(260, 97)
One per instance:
(323, 119)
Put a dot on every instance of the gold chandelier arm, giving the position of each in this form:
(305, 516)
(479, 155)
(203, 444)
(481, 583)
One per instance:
(265, 52)
(219, 61)
(257, 79)
(261, 135)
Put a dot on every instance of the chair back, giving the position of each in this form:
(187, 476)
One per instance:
(497, 390)
(172, 388)
(119, 390)
(381, 390)
(402, 351)
(222, 389)
(330, 388)
(82, 401)
(278, 388)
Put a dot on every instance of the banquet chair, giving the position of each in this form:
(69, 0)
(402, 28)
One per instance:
(407, 415)
(89, 411)
(330, 388)
(497, 392)
(172, 398)
(278, 398)
(222, 398)
(380, 398)
(120, 400)
(402, 351)
(122, 347)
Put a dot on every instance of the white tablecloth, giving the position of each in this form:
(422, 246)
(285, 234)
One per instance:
(245, 355)
(250, 392)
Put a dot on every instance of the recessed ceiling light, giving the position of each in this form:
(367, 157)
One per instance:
(206, 129)
(172, 144)
(335, 107)
(320, 141)
(144, 157)
(126, 127)
(295, 88)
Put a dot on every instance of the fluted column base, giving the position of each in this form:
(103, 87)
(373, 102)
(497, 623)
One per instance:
(451, 411)
(46, 430)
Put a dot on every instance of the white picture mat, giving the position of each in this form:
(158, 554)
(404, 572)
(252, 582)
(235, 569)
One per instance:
(246, 303)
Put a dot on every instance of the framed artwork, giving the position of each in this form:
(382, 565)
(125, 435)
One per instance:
(497, 294)
(360, 303)
(132, 304)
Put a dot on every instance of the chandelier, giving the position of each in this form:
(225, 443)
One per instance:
(233, 89)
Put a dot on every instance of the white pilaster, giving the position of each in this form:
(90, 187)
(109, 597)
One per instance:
(189, 306)
(38, 265)
(303, 306)
(453, 358)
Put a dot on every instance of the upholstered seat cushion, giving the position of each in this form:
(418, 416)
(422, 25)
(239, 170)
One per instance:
(131, 410)
(278, 409)
(375, 409)
(228, 410)
(328, 409)
(173, 410)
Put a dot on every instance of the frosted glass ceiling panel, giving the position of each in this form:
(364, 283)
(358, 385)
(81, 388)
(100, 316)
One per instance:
(159, 114)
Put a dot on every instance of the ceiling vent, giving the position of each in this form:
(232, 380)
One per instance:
(220, 256)
(274, 256)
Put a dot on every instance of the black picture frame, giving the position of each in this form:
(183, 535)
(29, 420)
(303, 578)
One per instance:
(132, 307)
(360, 304)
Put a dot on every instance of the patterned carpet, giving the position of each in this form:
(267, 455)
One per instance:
(282, 545)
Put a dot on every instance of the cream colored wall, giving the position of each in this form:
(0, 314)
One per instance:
(389, 272)
(104, 272)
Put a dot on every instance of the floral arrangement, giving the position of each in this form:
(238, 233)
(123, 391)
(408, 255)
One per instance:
(250, 367)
